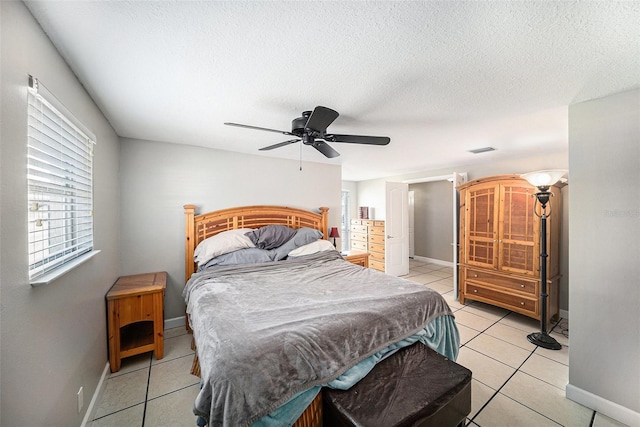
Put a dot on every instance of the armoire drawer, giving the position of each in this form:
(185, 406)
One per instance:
(511, 283)
(516, 302)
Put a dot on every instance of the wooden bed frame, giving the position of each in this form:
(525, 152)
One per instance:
(200, 227)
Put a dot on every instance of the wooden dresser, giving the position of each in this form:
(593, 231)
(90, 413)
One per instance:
(500, 245)
(135, 311)
(368, 235)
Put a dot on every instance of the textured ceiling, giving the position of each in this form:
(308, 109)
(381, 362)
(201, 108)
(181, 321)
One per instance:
(438, 78)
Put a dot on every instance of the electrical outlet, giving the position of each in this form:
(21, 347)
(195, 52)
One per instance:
(80, 395)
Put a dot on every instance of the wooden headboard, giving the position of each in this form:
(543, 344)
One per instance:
(199, 227)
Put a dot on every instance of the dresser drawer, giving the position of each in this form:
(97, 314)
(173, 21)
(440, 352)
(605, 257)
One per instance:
(377, 256)
(361, 246)
(516, 302)
(510, 283)
(377, 230)
(359, 229)
(378, 239)
(376, 247)
(359, 237)
(378, 265)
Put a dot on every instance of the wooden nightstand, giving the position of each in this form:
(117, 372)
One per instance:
(135, 311)
(357, 257)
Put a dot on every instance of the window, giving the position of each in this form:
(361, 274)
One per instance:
(60, 186)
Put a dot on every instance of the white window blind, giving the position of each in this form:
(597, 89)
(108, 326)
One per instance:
(60, 184)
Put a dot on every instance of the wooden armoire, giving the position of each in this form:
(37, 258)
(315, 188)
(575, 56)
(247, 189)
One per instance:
(500, 245)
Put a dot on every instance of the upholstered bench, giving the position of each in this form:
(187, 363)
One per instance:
(416, 386)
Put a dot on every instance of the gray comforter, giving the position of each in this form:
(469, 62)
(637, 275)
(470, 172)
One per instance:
(267, 331)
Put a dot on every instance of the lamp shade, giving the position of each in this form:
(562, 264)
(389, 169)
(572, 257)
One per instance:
(334, 232)
(545, 178)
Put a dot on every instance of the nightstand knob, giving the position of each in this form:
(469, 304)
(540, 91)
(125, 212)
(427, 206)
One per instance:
(475, 275)
(522, 285)
(475, 291)
(522, 303)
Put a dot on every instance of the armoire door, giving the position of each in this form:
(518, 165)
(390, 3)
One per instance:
(518, 233)
(481, 217)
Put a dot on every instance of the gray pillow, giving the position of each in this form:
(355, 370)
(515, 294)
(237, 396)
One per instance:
(271, 236)
(241, 256)
(303, 236)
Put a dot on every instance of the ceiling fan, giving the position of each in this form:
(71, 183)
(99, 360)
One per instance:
(311, 129)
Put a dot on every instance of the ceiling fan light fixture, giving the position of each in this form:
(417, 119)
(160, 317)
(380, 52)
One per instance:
(481, 150)
(311, 129)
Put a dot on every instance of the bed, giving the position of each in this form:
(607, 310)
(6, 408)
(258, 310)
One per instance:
(277, 318)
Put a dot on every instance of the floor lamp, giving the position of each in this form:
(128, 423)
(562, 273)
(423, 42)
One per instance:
(542, 180)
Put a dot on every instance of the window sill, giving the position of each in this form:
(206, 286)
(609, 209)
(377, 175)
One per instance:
(59, 272)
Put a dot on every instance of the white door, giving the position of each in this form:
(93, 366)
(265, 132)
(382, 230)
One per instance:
(457, 180)
(397, 229)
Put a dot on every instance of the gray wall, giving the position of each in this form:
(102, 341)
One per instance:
(54, 337)
(433, 220)
(604, 230)
(159, 178)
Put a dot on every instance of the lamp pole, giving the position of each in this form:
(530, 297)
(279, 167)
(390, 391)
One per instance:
(542, 338)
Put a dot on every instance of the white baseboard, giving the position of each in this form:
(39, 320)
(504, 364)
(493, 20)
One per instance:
(176, 322)
(604, 406)
(433, 261)
(91, 409)
(564, 314)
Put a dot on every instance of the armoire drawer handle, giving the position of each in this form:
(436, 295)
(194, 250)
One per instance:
(475, 291)
(475, 275)
(522, 303)
(522, 285)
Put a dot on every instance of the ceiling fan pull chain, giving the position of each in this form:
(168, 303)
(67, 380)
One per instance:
(300, 157)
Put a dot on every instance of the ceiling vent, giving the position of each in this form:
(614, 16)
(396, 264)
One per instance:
(481, 150)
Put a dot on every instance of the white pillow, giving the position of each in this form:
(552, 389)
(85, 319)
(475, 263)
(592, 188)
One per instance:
(222, 243)
(313, 247)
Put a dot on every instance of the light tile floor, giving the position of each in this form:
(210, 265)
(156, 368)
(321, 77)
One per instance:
(514, 382)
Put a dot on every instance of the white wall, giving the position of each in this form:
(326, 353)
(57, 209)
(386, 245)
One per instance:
(604, 232)
(54, 337)
(158, 178)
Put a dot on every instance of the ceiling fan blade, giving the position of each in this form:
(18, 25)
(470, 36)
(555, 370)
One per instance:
(358, 139)
(258, 128)
(321, 118)
(278, 145)
(325, 149)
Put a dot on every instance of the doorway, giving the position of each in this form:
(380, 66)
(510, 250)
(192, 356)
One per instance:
(443, 204)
